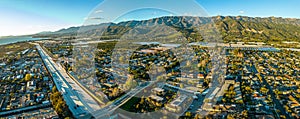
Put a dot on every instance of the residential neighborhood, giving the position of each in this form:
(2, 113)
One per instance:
(25, 83)
(149, 59)
(258, 80)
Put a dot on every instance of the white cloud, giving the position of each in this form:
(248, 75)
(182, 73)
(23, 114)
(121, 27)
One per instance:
(99, 11)
(93, 18)
(242, 12)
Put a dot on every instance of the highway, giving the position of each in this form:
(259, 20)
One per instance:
(80, 103)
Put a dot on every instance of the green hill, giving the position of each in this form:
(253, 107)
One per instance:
(231, 28)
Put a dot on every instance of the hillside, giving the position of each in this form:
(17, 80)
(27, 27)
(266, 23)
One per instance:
(238, 28)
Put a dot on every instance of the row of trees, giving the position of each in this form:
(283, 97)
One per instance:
(59, 104)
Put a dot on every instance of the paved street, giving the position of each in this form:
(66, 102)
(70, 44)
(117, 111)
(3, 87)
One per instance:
(10, 112)
(277, 102)
(80, 103)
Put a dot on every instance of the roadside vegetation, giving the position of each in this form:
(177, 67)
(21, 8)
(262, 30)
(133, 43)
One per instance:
(60, 105)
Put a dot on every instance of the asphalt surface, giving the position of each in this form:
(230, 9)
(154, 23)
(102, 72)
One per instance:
(80, 103)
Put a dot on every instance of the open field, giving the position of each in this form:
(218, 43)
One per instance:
(15, 47)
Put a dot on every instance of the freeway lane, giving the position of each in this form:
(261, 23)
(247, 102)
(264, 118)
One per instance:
(61, 85)
(89, 103)
(72, 93)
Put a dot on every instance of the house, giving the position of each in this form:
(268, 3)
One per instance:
(31, 85)
(190, 76)
(229, 81)
(110, 85)
(200, 76)
(156, 100)
(175, 105)
(29, 99)
(158, 91)
(45, 78)
(209, 76)
(22, 89)
(14, 103)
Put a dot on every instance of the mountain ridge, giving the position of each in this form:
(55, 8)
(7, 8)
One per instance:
(231, 28)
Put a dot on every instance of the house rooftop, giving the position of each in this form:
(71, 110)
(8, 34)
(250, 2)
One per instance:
(178, 100)
(156, 98)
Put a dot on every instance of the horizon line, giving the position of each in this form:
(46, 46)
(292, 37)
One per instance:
(66, 27)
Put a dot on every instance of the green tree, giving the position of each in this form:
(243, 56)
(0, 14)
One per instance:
(130, 83)
(121, 59)
(27, 77)
(188, 114)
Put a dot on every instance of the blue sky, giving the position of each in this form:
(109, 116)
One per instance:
(30, 16)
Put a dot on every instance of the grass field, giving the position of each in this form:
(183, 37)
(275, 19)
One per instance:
(11, 48)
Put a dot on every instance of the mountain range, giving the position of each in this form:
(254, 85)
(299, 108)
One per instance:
(230, 28)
